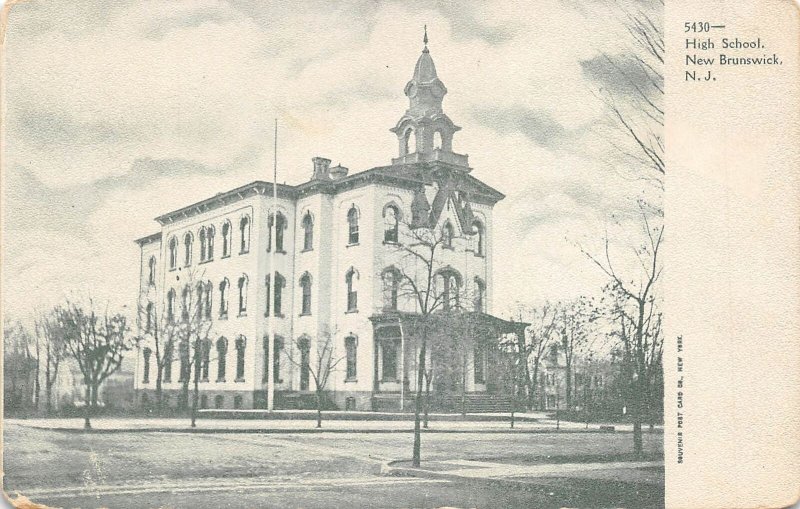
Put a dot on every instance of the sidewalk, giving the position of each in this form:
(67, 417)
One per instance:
(647, 472)
(113, 424)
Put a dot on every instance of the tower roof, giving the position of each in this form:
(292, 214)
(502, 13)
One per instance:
(425, 70)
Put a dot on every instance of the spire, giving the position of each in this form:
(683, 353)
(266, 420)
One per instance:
(425, 40)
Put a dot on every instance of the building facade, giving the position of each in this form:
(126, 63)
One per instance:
(319, 262)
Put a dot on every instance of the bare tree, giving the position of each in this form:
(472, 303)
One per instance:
(533, 345)
(420, 266)
(635, 308)
(574, 320)
(19, 366)
(50, 342)
(97, 342)
(325, 362)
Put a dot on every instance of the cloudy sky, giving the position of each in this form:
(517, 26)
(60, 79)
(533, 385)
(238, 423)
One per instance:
(119, 111)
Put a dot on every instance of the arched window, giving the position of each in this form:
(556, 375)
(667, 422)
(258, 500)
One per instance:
(183, 351)
(409, 142)
(186, 302)
(241, 342)
(146, 357)
(391, 284)
(478, 239)
(167, 374)
(447, 235)
(352, 225)
(187, 245)
(202, 238)
(277, 296)
(280, 227)
(224, 288)
(243, 295)
(151, 278)
(171, 305)
(208, 300)
(391, 219)
(276, 364)
(149, 317)
(210, 232)
(437, 140)
(244, 232)
(173, 253)
(222, 350)
(205, 359)
(305, 285)
(352, 293)
(450, 284)
(305, 368)
(351, 347)
(308, 232)
(226, 239)
(480, 295)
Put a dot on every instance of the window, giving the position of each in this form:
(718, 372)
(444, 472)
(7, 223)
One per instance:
(205, 359)
(146, 356)
(151, 278)
(168, 362)
(409, 141)
(352, 294)
(186, 302)
(276, 363)
(244, 232)
(351, 347)
(183, 352)
(226, 239)
(171, 305)
(480, 295)
(208, 299)
(478, 240)
(391, 218)
(450, 283)
(149, 317)
(210, 232)
(243, 295)
(389, 360)
(219, 401)
(202, 237)
(308, 232)
(437, 140)
(204, 401)
(187, 246)
(280, 283)
(305, 284)
(447, 235)
(352, 222)
(200, 303)
(222, 350)
(173, 253)
(391, 283)
(280, 227)
(237, 402)
(224, 286)
(305, 369)
(241, 342)
(479, 363)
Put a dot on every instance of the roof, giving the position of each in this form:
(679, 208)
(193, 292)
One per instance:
(409, 176)
(425, 70)
(153, 237)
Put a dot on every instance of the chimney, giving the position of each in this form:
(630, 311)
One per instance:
(321, 168)
(338, 172)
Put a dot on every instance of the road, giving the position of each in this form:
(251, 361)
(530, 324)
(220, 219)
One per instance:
(156, 469)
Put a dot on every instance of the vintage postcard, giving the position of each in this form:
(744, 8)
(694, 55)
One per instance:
(374, 253)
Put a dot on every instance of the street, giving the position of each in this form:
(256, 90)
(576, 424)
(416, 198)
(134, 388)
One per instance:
(195, 470)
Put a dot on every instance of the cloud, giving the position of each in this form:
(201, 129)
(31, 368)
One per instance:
(622, 74)
(535, 124)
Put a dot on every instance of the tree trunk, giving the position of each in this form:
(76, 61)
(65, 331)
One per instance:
(86, 423)
(319, 407)
(569, 386)
(159, 390)
(531, 382)
(49, 395)
(427, 398)
(95, 390)
(415, 461)
(196, 392)
(36, 388)
(464, 390)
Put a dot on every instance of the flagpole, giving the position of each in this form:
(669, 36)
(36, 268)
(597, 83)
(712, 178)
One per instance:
(270, 294)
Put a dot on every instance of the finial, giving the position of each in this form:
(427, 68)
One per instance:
(425, 39)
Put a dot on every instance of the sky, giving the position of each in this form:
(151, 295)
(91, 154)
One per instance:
(119, 111)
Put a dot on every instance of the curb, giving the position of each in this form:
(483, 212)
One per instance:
(388, 470)
(286, 431)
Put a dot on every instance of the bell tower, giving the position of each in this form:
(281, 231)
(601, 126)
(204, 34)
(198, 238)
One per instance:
(425, 132)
